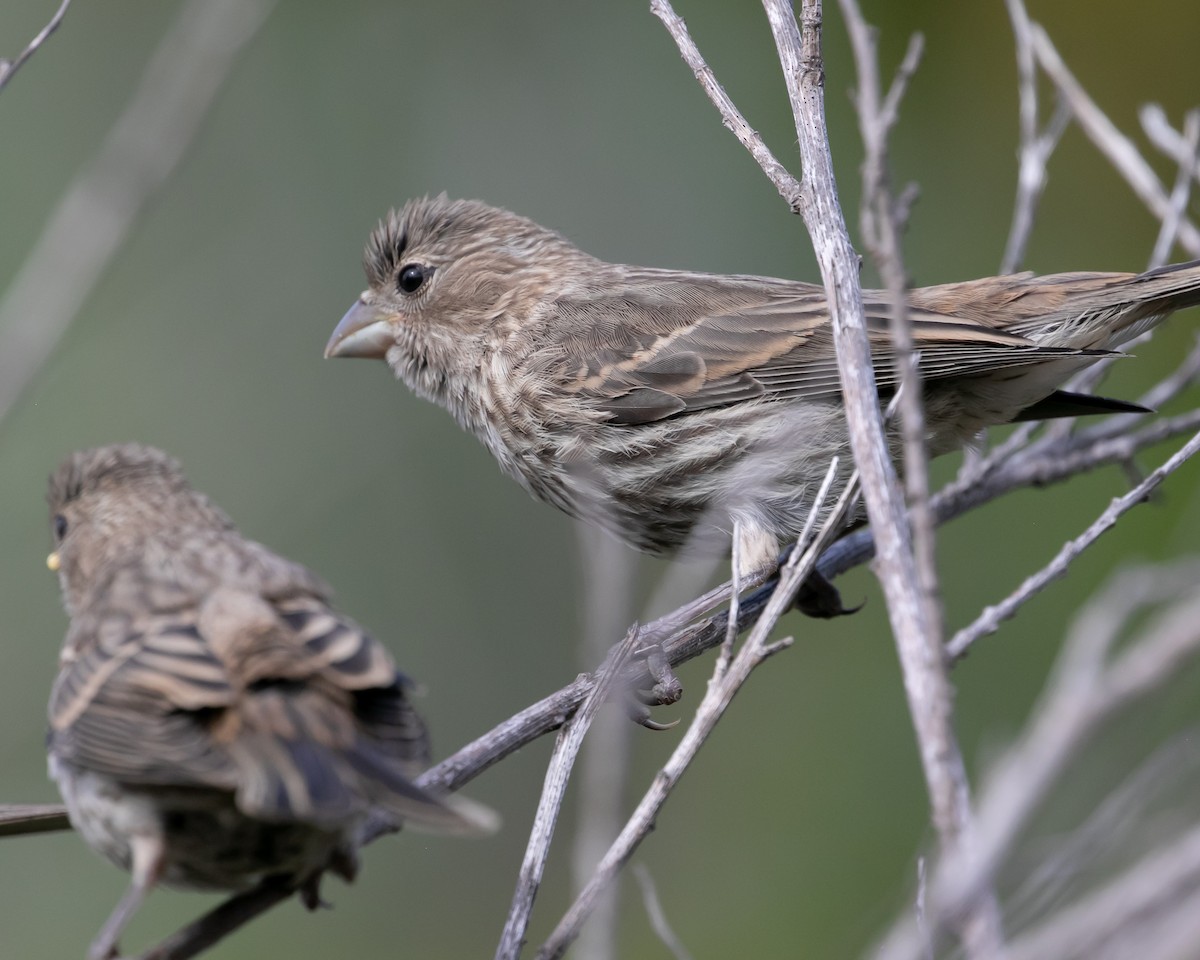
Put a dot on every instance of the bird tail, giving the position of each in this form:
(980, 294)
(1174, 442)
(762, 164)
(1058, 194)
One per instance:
(1102, 311)
(299, 761)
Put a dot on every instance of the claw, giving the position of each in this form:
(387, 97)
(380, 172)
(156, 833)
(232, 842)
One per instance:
(820, 598)
(640, 714)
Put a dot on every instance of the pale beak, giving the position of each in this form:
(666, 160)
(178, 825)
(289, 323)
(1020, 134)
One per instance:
(365, 331)
(53, 563)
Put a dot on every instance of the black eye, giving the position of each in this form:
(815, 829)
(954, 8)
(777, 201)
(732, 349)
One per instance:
(412, 276)
(60, 526)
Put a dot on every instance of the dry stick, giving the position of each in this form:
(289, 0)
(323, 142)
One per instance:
(602, 771)
(10, 67)
(558, 772)
(990, 619)
(926, 682)
(787, 185)
(201, 934)
(654, 910)
(95, 216)
(1108, 824)
(1086, 689)
(1180, 193)
(1145, 906)
(17, 819)
(881, 232)
(1036, 147)
(721, 690)
(1111, 142)
(1169, 140)
(1048, 467)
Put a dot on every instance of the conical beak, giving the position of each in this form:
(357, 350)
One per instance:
(365, 331)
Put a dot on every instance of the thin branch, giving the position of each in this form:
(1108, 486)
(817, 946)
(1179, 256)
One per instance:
(881, 232)
(1088, 686)
(219, 922)
(602, 771)
(558, 773)
(990, 619)
(1109, 140)
(658, 918)
(1170, 141)
(1181, 192)
(9, 67)
(94, 218)
(17, 819)
(1036, 147)
(787, 185)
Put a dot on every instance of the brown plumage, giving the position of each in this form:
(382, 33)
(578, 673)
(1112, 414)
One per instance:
(214, 724)
(667, 405)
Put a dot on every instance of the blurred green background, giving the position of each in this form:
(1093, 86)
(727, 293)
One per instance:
(797, 832)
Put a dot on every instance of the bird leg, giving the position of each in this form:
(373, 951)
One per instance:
(149, 857)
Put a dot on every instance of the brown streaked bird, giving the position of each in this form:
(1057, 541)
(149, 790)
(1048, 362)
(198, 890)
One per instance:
(668, 406)
(214, 724)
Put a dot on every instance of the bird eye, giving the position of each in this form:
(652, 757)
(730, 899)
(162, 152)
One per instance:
(412, 276)
(60, 526)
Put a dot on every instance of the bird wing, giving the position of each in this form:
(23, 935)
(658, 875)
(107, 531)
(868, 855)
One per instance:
(283, 701)
(708, 344)
(133, 700)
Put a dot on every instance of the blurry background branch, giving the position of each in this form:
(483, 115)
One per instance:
(9, 67)
(97, 212)
(1090, 683)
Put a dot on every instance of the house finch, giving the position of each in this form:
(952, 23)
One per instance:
(214, 723)
(671, 406)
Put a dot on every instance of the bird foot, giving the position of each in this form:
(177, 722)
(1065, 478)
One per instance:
(817, 597)
(665, 689)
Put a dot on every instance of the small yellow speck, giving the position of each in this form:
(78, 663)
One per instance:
(52, 562)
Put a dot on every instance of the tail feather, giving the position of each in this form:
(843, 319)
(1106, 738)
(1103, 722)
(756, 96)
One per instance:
(1064, 403)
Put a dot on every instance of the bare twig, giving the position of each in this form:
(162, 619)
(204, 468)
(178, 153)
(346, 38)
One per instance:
(1036, 147)
(219, 922)
(95, 216)
(10, 67)
(1088, 686)
(603, 766)
(881, 232)
(558, 772)
(1108, 824)
(1040, 466)
(658, 918)
(990, 619)
(17, 819)
(1109, 140)
(924, 669)
(1181, 192)
(787, 185)
(1170, 141)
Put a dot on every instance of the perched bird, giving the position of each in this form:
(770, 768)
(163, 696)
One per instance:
(214, 724)
(670, 406)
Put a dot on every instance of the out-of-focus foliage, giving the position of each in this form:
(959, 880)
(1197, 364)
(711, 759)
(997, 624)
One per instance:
(806, 812)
